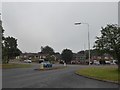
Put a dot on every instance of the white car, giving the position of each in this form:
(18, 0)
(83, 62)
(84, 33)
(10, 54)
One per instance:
(107, 62)
(27, 61)
(96, 62)
(114, 62)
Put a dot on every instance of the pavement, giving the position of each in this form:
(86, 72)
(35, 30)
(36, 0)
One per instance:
(59, 78)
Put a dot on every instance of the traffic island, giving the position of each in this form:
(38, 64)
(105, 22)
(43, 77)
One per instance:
(52, 68)
(106, 74)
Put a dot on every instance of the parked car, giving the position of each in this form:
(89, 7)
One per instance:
(41, 60)
(46, 64)
(61, 62)
(114, 62)
(91, 62)
(28, 61)
(107, 62)
(96, 62)
(72, 62)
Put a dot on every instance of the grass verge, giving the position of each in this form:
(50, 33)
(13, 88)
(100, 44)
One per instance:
(101, 73)
(9, 66)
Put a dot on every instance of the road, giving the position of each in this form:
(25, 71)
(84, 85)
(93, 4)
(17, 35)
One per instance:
(60, 78)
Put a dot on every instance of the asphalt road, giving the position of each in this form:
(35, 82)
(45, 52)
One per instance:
(60, 78)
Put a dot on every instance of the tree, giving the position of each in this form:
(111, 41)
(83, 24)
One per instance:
(47, 50)
(50, 58)
(4, 50)
(9, 49)
(2, 30)
(109, 41)
(67, 55)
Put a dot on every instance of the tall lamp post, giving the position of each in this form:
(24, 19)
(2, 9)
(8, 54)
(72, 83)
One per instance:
(79, 23)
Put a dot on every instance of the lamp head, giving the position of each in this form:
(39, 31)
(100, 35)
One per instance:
(77, 23)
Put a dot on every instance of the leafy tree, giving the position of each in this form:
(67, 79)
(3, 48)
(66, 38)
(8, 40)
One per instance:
(9, 49)
(2, 30)
(50, 58)
(109, 41)
(67, 55)
(47, 50)
(4, 50)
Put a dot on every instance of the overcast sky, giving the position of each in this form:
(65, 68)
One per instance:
(37, 24)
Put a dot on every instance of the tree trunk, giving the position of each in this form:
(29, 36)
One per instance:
(118, 58)
(7, 61)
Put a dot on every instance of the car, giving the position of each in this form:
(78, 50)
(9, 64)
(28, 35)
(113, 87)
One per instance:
(28, 61)
(41, 60)
(91, 62)
(107, 62)
(61, 62)
(113, 62)
(96, 62)
(72, 62)
(46, 64)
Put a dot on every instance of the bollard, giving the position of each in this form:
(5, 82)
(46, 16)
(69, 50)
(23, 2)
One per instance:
(64, 64)
(41, 66)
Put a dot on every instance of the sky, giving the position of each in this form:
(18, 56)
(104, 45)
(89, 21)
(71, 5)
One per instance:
(36, 24)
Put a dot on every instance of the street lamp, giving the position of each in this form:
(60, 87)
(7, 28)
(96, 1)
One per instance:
(78, 23)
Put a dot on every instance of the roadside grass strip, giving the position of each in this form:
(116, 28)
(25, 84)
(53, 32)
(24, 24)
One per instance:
(10, 66)
(0, 65)
(109, 74)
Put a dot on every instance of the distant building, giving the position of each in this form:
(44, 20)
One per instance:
(79, 58)
(41, 55)
(28, 55)
(104, 57)
(36, 56)
(57, 56)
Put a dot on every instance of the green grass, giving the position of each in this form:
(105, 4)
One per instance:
(9, 66)
(101, 73)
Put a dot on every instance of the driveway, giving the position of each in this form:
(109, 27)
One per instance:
(60, 78)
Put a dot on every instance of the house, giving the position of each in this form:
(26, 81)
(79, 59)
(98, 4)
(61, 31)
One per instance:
(40, 55)
(27, 56)
(57, 56)
(106, 57)
(79, 58)
(35, 56)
